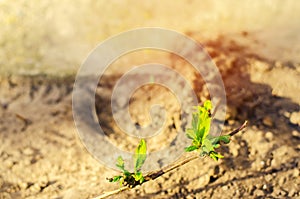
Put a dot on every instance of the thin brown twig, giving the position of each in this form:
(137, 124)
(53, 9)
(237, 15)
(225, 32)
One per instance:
(26, 121)
(232, 133)
(110, 193)
(150, 176)
(155, 174)
(160, 172)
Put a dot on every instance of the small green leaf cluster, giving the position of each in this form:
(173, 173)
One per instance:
(204, 143)
(135, 178)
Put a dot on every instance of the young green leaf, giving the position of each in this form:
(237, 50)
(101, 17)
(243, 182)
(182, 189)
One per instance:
(206, 126)
(191, 148)
(199, 133)
(139, 177)
(190, 133)
(207, 146)
(207, 105)
(195, 121)
(200, 124)
(214, 155)
(204, 118)
(127, 173)
(140, 155)
(136, 178)
(115, 179)
(120, 163)
(222, 138)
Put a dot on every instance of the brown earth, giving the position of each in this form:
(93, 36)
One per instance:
(42, 157)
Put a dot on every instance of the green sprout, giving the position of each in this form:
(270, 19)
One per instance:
(204, 143)
(136, 178)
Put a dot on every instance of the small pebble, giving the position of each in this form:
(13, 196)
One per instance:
(259, 192)
(295, 118)
(287, 114)
(281, 181)
(237, 192)
(23, 185)
(260, 66)
(257, 165)
(268, 121)
(269, 135)
(295, 133)
(225, 188)
(152, 189)
(265, 187)
(35, 188)
(278, 64)
(231, 122)
(296, 173)
(292, 192)
(268, 178)
(232, 113)
(43, 181)
(28, 151)
(9, 163)
(235, 151)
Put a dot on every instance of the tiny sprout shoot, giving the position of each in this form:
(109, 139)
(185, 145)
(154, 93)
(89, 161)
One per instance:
(199, 133)
(136, 178)
(202, 142)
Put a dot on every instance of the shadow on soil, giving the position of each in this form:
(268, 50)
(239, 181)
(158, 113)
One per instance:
(250, 101)
(246, 100)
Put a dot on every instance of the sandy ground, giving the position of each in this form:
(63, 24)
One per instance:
(43, 43)
(42, 157)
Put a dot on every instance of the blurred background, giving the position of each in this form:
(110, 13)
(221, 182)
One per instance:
(55, 37)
